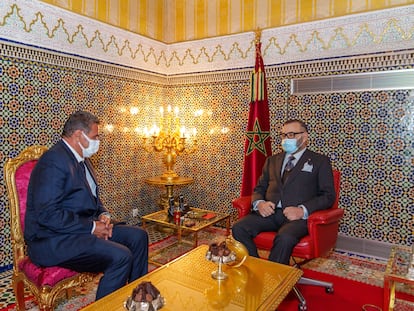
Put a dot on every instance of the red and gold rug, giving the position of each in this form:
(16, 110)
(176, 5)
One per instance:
(358, 280)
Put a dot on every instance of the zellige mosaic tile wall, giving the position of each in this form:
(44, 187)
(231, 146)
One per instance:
(362, 132)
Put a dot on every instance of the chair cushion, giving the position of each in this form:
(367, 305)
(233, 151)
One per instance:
(304, 249)
(44, 276)
(264, 240)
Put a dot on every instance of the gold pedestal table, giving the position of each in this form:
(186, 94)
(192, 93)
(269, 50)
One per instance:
(186, 284)
(169, 185)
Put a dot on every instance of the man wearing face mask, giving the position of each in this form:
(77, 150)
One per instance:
(66, 223)
(294, 184)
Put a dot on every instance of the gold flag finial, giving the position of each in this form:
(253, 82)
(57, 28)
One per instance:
(258, 34)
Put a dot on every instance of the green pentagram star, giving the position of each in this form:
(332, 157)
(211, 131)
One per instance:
(261, 138)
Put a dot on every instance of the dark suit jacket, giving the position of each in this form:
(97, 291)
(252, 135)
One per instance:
(309, 183)
(60, 205)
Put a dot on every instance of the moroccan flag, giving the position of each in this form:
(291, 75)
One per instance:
(257, 146)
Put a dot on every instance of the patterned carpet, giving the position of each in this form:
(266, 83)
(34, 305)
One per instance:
(350, 266)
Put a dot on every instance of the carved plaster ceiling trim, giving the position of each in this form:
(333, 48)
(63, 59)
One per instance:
(40, 25)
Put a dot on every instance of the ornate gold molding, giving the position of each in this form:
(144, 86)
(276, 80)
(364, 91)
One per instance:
(44, 26)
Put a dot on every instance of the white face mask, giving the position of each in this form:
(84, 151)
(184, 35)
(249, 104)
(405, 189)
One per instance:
(91, 149)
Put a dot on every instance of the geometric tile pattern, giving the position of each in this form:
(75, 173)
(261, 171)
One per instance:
(364, 133)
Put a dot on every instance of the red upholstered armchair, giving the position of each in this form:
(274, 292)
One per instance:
(323, 233)
(44, 283)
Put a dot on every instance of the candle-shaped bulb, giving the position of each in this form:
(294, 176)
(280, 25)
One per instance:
(161, 110)
(182, 132)
(169, 108)
(146, 132)
(154, 130)
(176, 110)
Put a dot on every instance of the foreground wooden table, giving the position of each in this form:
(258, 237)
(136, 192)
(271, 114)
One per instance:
(186, 284)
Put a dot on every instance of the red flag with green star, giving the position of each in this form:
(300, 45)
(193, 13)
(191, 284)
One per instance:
(257, 146)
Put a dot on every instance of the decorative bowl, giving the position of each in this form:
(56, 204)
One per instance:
(154, 305)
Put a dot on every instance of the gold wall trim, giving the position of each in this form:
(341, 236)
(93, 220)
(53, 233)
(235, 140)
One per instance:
(12, 51)
(42, 25)
(173, 21)
(379, 62)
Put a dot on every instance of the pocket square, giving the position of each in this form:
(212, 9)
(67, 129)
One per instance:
(307, 167)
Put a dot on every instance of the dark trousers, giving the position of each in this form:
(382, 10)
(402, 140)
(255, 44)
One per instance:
(122, 259)
(289, 233)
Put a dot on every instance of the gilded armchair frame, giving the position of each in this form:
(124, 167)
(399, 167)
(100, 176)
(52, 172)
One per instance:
(44, 294)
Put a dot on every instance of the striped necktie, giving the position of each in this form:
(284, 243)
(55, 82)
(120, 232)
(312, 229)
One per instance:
(288, 168)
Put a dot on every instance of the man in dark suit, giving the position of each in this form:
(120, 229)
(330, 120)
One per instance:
(66, 223)
(294, 184)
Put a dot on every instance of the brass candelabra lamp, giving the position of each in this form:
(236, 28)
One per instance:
(171, 138)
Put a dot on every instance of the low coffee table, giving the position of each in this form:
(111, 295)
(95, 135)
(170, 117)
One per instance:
(186, 284)
(201, 218)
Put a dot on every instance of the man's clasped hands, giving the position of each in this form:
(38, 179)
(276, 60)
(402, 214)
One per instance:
(103, 229)
(267, 208)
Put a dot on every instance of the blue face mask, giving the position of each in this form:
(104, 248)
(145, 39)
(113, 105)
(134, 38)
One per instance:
(290, 145)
